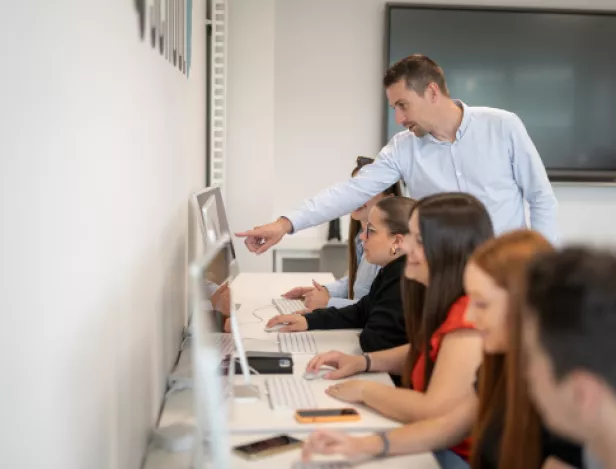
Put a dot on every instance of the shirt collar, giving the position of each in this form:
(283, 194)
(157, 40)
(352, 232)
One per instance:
(466, 117)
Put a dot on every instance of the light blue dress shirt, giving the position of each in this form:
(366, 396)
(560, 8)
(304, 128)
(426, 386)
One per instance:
(492, 158)
(366, 272)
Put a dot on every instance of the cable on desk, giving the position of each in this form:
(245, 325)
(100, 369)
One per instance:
(254, 313)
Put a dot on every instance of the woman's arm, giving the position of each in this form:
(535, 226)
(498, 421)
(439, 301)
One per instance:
(431, 434)
(338, 289)
(389, 361)
(453, 378)
(426, 435)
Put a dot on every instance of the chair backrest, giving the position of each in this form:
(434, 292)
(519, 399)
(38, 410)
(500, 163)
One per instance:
(334, 258)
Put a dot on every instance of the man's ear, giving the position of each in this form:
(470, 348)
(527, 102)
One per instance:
(432, 92)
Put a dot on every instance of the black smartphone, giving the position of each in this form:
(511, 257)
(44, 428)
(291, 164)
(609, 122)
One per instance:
(268, 447)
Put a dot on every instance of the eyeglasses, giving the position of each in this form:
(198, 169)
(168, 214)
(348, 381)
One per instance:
(369, 231)
(364, 160)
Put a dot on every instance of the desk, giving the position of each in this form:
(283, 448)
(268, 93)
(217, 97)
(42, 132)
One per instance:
(254, 292)
(249, 417)
(159, 459)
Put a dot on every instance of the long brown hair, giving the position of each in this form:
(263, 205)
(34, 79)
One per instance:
(452, 225)
(355, 226)
(502, 390)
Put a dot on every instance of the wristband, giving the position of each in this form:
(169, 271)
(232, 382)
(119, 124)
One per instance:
(385, 451)
(368, 362)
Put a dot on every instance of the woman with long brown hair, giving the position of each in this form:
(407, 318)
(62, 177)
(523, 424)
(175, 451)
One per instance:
(439, 369)
(507, 433)
(351, 288)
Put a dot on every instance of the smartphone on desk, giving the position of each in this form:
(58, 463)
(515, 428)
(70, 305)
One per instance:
(326, 415)
(268, 447)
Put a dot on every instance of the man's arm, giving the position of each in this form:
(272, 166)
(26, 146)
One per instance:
(338, 200)
(532, 178)
(346, 196)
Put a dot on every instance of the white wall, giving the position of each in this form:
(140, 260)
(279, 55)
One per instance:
(324, 67)
(101, 143)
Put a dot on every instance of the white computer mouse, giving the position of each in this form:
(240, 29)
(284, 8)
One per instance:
(275, 328)
(311, 375)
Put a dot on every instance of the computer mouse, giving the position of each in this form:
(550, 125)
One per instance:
(275, 328)
(311, 375)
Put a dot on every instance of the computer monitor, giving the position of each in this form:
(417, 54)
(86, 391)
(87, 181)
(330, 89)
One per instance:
(212, 219)
(209, 393)
(218, 270)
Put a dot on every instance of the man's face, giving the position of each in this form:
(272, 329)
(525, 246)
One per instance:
(411, 110)
(554, 399)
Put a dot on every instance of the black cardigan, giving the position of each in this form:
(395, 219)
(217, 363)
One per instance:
(379, 313)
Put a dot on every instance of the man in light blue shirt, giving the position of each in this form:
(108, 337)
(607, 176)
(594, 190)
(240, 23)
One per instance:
(448, 147)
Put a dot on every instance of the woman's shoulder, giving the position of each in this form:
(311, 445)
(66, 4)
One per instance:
(456, 318)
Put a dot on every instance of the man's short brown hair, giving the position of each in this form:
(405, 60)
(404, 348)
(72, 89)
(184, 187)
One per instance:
(418, 71)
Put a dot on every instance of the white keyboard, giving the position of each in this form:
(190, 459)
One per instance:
(224, 342)
(289, 393)
(297, 342)
(285, 306)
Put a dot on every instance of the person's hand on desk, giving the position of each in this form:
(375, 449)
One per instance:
(317, 298)
(297, 293)
(261, 238)
(294, 322)
(333, 442)
(350, 391)
(346, 365)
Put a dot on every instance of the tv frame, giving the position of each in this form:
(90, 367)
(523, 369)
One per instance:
(555, 175)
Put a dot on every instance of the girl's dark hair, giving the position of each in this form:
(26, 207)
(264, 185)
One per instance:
(502, 388)
(396, 213)
(452, 225)
(355, 226)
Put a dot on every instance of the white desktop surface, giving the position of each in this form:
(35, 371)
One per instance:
(265, 286)
(257, 416)
(163, 460)
(250, 421)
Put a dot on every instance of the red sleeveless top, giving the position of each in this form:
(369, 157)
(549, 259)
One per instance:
(455, 321)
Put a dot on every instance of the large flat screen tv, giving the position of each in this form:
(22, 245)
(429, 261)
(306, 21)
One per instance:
(555, 69)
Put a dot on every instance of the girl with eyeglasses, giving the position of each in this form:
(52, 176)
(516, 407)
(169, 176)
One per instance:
(361, 273)
(379, 314)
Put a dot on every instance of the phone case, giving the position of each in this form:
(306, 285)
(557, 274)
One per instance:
(327, 419)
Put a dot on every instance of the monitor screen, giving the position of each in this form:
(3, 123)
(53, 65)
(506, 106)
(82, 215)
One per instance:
(208, 274)
(556, 70)
(213, 222)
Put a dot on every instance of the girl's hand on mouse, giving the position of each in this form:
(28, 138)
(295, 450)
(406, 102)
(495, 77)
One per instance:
(294, 322)
(345, 365)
